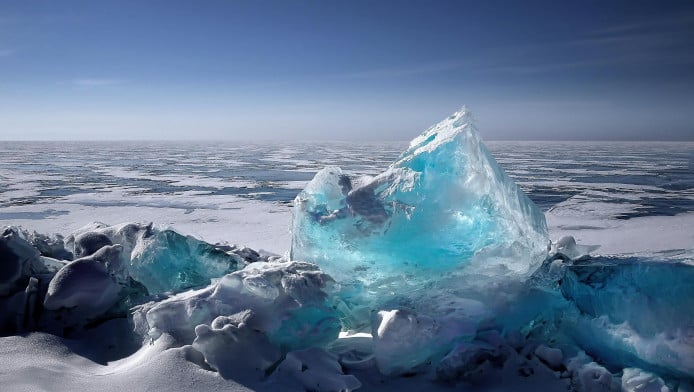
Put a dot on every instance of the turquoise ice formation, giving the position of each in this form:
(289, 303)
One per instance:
(634, 312)
(443, 210)
(160, 259)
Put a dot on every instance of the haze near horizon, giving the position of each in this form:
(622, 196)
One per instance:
(323, 70)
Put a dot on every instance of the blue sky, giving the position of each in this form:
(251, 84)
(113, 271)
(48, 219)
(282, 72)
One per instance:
(352, 70)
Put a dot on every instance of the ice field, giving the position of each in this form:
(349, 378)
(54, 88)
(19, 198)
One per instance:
(444, 265)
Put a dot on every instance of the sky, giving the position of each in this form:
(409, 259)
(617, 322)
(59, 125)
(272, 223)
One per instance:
(345, 70)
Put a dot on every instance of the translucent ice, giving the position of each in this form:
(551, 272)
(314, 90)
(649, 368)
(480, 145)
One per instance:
(442, 210)
(634, 312)
(160, 259)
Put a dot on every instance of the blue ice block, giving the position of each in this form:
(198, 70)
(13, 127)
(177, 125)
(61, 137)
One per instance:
(443, 212)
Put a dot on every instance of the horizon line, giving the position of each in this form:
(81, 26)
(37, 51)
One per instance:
(231, 140)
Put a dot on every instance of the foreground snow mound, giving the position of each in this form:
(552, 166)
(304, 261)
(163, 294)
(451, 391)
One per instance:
(444, 209)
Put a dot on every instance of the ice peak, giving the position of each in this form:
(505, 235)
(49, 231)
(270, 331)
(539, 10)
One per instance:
(462, 117)
(459, 123)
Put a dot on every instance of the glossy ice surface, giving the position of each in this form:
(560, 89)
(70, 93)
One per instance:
(443, 208)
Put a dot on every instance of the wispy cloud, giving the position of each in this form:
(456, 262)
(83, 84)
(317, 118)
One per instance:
(6, 52)
(671, 22)
(95, 82)
(396, 72)
(545, 67)
(657, 42)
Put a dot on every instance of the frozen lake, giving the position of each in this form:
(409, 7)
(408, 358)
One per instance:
(630, 197)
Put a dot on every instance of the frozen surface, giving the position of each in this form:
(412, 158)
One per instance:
(444, 208)
(615, 319)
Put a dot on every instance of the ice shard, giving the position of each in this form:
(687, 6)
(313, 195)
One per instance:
(443, 211)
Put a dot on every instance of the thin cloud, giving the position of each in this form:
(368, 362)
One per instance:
(95, 82)
(6, 52)
(419, 69)
(547, 67)
(671, 22)
(659, 42)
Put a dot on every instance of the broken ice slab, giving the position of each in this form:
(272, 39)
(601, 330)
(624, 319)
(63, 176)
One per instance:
(635, 312)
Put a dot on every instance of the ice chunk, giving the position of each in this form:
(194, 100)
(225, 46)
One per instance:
(168, 261)
(160, 259)
(403, 340)
(445, 208)
(19, 312)
(235, 348)
(587, 375)
(314, 370)
(287, 301)
(15, 255)
(637, 380)
(86, 284)
(568, 247)
(49, 246)
(551, 356)
(464, 359)
(89, 242)
(634, 312)
(19, 260)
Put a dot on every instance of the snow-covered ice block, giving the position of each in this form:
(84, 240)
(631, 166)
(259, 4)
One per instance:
(587, 375)
(232, 346)
(402, 340)
(637, 380)
(49, 246)
(86, 284)
(314, 369)
(160, 259)
(568, 247)
(286, 299)
(18, 261)
(551, 356)
(443, 210)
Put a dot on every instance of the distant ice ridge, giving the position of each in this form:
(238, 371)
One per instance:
(444, 214)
